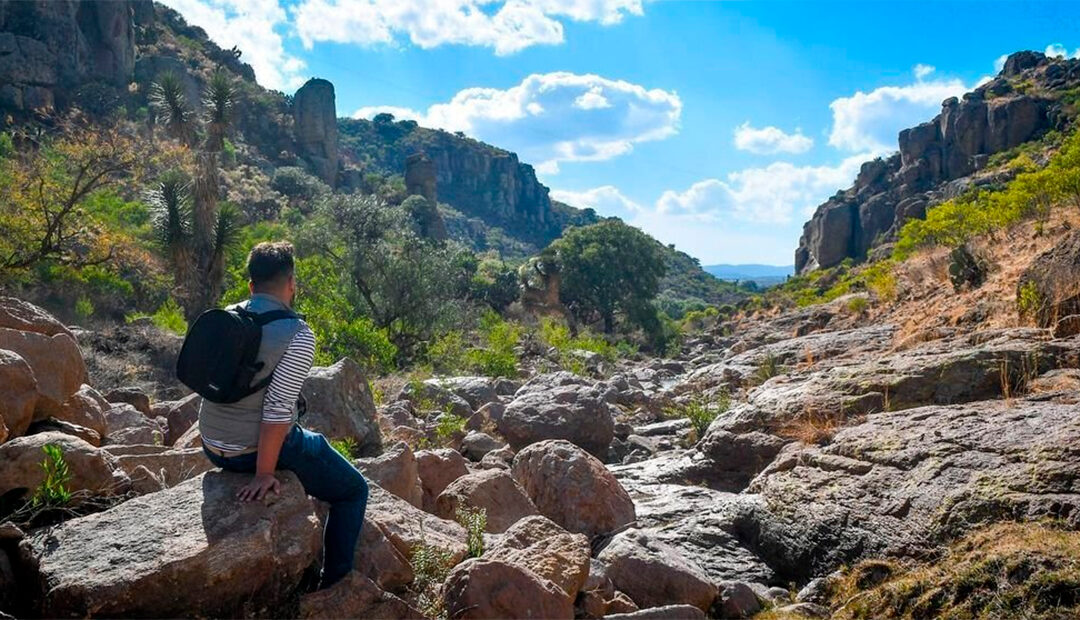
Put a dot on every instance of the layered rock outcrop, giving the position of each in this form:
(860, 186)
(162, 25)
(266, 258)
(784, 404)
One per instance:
(1017, 106)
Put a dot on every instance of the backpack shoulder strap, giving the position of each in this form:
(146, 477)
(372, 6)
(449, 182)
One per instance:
(274, 315)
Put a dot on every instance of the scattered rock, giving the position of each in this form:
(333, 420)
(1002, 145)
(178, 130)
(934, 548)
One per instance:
(86, 408)
(574, 412)
(340, 405)
(476, 445)
(558, 556)
(482, 588)
(498, 459)
(406, 526)
(437, 469)
(395, 471)
(572, 488)
(52, 424)
(127, 425)
(736, 599)
(18, 394)
(180, 414)
(92, 469)
(57, 364)
(433, 396)
(667, 612)
(379, 560)
(356, 596)
(132, 396)
(494, 491)
(477, 391)
(178, 552)
(654, 574)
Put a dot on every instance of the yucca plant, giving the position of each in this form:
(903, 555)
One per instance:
(194, 229)
(168, 99)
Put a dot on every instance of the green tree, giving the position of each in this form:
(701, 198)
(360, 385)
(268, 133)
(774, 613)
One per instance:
(608, 268)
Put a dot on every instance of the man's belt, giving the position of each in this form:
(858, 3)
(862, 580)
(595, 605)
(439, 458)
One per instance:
(228, 453)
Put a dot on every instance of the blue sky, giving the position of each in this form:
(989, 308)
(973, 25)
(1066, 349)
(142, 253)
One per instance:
(716, 126)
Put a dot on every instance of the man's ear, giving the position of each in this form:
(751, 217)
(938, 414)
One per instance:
(251, 287)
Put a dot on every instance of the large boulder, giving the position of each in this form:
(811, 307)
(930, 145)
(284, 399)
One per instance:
(575, 412)
(477, 391)
(18, 395)
(181, 415)
(26, 317)
(492, 490)
(379, 560)
(654, 574)
(356, 596)
(438, 468)
(483, 588)
(133, 396)
(395, 470)
(179, 552)
(903, 483)
(340, 405)
(57, 363)
(572, 488)
(407, 527)
(540, 545)
(168, 468)
(92, 469)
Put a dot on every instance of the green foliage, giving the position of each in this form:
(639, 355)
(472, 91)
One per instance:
(169, 316)
(701, 411)
(53, 490)
(474, 520)
(449, 425)
(447, 353)
(608, 268)
(431, 566)
(857, 305)
(298, 186)
(1029, 195)
(497, 358)
(84, 308)
(1028, 299)
(346, 447)
(228, 153)
(554, 333)
(7, 145)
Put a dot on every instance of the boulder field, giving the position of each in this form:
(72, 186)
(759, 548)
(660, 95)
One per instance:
(598, 503)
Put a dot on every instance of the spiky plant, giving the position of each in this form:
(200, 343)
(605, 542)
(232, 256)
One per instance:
(219, 97)
(170, 102)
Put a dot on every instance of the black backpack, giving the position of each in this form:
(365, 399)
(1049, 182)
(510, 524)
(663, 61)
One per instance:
(219, 356)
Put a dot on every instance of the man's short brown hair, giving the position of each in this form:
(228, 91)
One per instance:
(270, 263)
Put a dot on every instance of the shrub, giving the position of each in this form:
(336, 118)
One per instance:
(431, 566)
(701, 411)
(169, 316)
(84, 308)
(448, 426)
(346, 447)
(53, 490)
(447, 353)
(767, 367)
(857, 305)
(1028, 299)
(474, 520)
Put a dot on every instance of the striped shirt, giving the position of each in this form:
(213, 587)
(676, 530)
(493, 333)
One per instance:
(289, 375)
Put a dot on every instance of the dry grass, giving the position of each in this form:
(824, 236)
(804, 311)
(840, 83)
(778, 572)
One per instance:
(1007, 570)
(814, 427)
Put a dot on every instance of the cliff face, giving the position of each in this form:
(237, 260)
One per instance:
(49, 47)
(939, 158)
(478, 179)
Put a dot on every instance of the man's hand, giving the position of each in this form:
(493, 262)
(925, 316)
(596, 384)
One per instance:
(259, 486)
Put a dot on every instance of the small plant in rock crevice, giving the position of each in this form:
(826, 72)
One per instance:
(474, 520)
(701, 411)
(431, 565)
(345, 446)
(53, 490)
(768, 366)
(449, 425)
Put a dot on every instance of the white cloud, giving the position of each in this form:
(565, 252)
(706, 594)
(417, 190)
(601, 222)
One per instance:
(555, 117)
(871, 121)
(252, 26)
(606, 200)
(999, 64)
(773, 194)
(921, 70)
(507, 26)
(770, 140)
(1057, 50)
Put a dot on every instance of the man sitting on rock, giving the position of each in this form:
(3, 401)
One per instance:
(260, 433)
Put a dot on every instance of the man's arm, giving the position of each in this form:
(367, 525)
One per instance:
(277, 420)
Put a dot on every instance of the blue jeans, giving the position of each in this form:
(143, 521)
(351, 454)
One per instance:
(328, 476)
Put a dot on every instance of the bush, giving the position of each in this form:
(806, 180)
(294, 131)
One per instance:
(84, 308)
(474, 520)
(448, 426)
(701, 411)
(170, 317)
(346, 447)
(498, 358)
(53, 490)
(431, 566)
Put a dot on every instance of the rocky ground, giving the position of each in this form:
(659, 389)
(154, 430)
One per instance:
(841, 444)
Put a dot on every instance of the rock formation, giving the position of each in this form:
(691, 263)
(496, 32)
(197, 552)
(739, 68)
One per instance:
(315, 128)
(420, 177)
(938, 159)
(47, 49)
